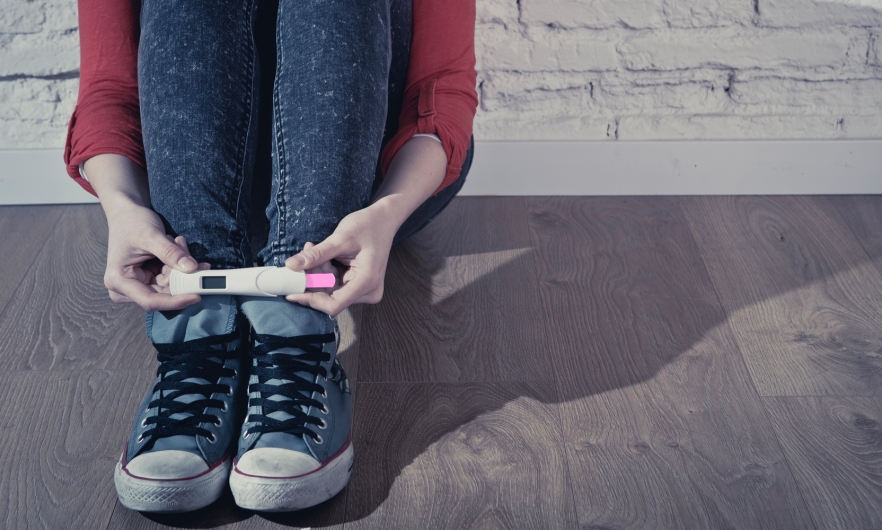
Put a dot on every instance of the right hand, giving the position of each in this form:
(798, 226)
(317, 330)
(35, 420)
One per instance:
(140, 256)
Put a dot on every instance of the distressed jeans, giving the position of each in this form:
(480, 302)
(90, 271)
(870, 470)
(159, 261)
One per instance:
(331, 99)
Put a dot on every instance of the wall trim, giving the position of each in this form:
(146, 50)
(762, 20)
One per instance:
(771, 167)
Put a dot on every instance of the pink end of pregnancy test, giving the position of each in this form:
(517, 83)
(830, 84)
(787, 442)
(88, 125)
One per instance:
(320, 281)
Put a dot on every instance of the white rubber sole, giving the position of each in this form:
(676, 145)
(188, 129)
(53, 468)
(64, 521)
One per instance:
(170, 496)
(269, 494)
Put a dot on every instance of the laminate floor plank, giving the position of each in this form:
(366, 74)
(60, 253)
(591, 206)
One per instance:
(618, 274)
(350, 342)
(536, 363)
(459, 303)
(863, 215)
(801, 294)
(25, 230)
(834, 445)
(61, 434)
(662, 424)
(61, 318)
(459, 455)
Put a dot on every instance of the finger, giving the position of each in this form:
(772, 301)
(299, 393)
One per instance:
(170, 252)
(319, 301)
(150, 300)
(117, 298)
(314, 255)
(373, 297)
(181, 241)
(321, 268)
(333, 303)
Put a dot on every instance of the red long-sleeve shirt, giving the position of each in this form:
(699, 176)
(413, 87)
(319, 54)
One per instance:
(439, 96)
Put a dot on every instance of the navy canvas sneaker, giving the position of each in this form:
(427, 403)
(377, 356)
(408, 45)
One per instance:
(179, 453)
(295, 448)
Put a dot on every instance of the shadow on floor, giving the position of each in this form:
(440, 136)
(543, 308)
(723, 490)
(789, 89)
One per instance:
(670, 323)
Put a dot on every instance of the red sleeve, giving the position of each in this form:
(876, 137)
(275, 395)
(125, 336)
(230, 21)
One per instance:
(107, 118)
(440, 95)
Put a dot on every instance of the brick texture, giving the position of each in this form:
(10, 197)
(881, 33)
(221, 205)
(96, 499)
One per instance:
(574, 69)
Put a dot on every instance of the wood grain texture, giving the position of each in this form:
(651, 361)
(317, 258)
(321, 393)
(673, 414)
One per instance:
(25, 230)
(863, 215)
(622, 286)
(60, 317)
(61, 434)
(457, 456)
(690, 448)
(834, 446)
(459, 304)
(662, 425)
(801, 294)
(625, 319)
(350, 341)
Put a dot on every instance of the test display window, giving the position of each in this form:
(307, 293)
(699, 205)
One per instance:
(214, 282)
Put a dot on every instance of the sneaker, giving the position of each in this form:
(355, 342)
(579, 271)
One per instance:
(295, 448)
(179, 453)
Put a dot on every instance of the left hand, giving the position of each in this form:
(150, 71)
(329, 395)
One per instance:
(361, 243)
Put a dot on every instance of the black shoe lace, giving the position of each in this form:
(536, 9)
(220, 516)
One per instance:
(298, 391)
(192, 359)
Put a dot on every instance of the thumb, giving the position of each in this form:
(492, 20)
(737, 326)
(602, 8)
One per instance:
(170, 253)
(313, 256)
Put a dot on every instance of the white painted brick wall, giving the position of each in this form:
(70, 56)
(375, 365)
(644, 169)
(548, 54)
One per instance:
(574, 69)
(39, 66)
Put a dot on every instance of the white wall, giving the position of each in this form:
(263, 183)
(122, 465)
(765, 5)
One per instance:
(680, 69)
(808, 71)
(574, 69)
(39, 69)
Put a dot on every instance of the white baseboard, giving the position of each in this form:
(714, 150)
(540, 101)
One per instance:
(774, 167)
(37, 176)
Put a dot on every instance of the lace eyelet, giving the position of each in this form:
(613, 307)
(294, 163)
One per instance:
(229, 390)
(325, 410)
(140, 439)
(324, 394)
(144, 423)
(224, 408)
(248, 418)
(319, 440)
(246, 435)
(211, 439)
(323, 425)
(235, 373)
(219, 421)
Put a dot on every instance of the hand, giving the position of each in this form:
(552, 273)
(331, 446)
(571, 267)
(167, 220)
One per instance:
(361, 243)
(140, 257)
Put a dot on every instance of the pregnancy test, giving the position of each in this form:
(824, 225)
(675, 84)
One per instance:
(254, 281)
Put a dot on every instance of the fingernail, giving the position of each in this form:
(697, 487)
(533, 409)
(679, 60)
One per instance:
(296, 261)
(187, 263)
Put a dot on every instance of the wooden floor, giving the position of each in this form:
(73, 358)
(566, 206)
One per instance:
(606, 362)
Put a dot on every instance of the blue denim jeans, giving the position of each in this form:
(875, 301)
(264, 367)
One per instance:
(340, 69)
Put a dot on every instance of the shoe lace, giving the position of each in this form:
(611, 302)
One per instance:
(288, 367)
(192, 359)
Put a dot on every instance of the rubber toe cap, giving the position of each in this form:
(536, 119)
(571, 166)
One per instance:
(167, 465)
(276, 462)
